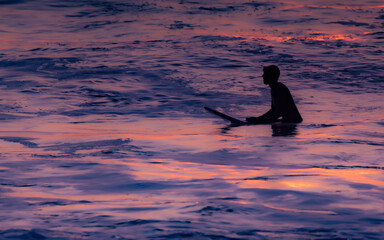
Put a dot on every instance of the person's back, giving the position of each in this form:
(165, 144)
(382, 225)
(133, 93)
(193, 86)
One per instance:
(283, 106)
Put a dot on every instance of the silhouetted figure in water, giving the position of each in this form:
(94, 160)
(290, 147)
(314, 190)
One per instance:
(283, 107)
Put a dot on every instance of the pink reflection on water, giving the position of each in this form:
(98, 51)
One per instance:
(306, 180)
(339, 128)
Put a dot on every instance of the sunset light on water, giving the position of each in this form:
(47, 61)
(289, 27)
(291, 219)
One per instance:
(104, 136)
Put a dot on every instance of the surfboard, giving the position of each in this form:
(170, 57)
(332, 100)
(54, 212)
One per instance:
(234, 121)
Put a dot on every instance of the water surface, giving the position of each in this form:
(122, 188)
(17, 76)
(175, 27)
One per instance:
(103, 133)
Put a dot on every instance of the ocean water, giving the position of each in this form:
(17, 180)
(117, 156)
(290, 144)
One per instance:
(103, 134)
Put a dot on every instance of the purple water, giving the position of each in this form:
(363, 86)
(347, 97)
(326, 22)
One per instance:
(103, 134)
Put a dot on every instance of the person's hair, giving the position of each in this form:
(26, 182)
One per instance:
(273, 71)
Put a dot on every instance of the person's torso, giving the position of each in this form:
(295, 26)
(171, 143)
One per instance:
(283, 101)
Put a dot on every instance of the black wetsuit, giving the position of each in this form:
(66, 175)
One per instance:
(283, 107)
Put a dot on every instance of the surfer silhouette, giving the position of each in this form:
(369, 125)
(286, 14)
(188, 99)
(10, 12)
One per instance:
(283, 107)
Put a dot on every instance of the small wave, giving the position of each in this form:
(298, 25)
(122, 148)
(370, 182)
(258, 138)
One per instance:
(193, 235)
(258, 4)
(320, 125)
(4, 2)
(347, 141)
(4, 116)
(345, 167)
(98, 24)
(350, 23)
(218, 9)
(136, 222)
(181, 25)
(289, 21)
(208, 210)
(23, 141)
(23, 234)
(213, 38)
(17, 185)
(72, 148)
(53, 203)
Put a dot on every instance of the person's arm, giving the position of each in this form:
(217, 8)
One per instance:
(271, 116)
(280, 105)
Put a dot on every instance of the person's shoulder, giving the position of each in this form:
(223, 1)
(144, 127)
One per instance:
(281, 87)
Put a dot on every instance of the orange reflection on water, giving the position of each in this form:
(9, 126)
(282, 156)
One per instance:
(313, 179)
(320, 37)
(110, 204)
(298, 210)
(299, 184)
(184, 132)
(347, 37)
(169, 169)
(358, 175)
(327, 6)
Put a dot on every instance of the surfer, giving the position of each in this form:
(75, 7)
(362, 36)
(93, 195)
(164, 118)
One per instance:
(283, 107)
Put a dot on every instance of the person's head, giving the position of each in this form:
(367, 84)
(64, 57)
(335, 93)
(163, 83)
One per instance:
(271, 74)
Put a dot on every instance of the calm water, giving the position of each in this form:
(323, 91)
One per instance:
(103, 134)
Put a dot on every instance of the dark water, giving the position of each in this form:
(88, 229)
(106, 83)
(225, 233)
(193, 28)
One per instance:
(103, 133)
